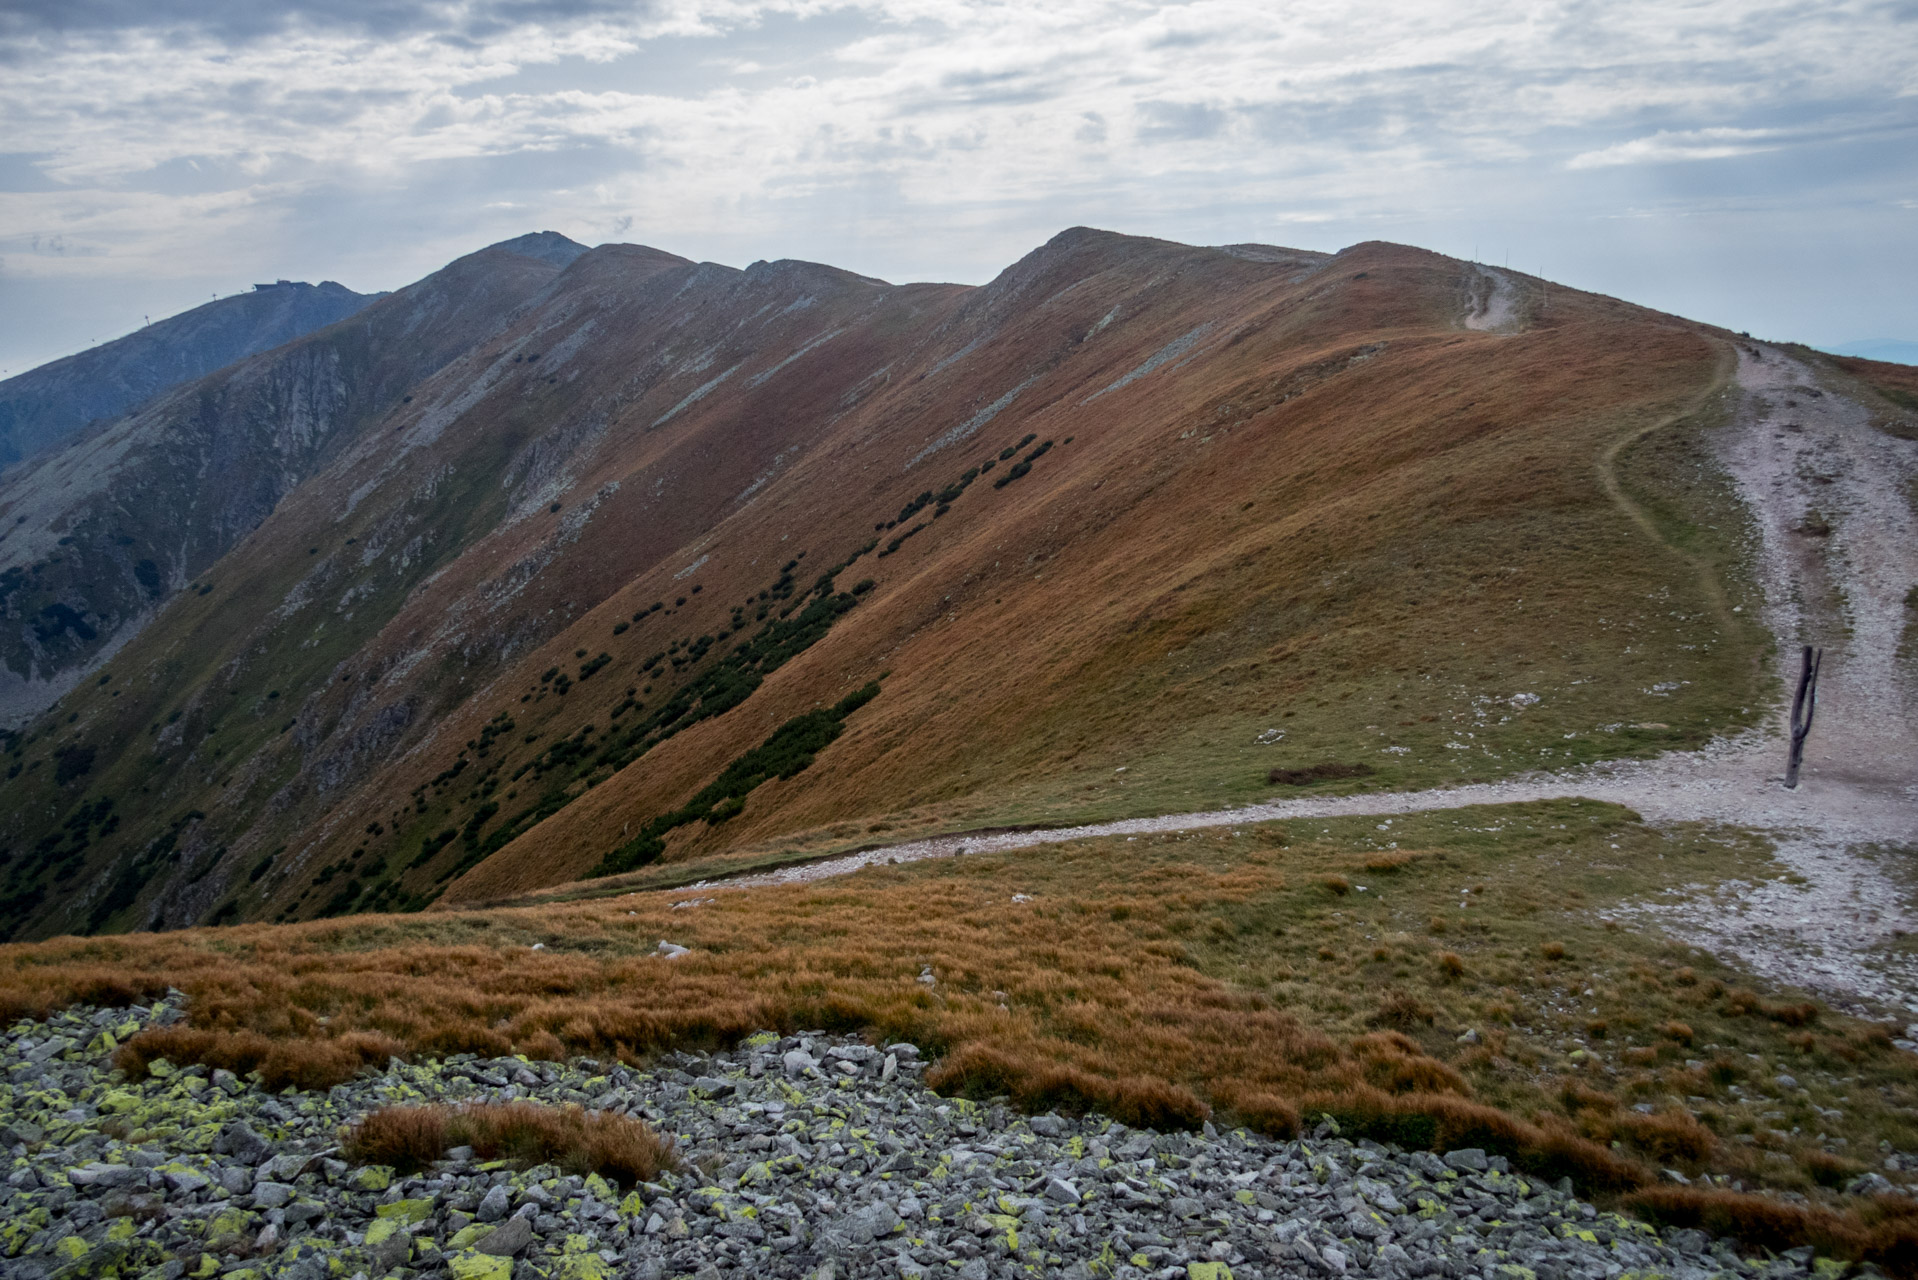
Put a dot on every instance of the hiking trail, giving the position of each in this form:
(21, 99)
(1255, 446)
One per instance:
(1833, 922)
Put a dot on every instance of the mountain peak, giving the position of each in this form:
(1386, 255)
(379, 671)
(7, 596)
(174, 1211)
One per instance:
(545, 246)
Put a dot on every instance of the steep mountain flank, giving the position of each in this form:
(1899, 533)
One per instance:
(95, 537)
(43, 407)
(684, 562)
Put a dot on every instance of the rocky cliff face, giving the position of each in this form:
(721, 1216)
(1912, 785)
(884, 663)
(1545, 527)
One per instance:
(44, 407)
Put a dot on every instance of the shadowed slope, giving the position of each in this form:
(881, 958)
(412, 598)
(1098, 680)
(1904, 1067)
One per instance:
(41, 408)
(100, 534)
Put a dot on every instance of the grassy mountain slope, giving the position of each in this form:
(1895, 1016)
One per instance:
(1096, 529)
(1353, 523)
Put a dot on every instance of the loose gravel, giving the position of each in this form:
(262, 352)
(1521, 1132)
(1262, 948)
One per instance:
(805, 1156)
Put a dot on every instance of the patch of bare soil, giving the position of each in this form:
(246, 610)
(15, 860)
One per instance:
(1492, 301)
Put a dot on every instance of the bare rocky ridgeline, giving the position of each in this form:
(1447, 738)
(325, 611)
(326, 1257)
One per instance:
(805, 1156)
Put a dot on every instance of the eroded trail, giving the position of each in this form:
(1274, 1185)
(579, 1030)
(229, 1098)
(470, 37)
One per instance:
(1837, 552)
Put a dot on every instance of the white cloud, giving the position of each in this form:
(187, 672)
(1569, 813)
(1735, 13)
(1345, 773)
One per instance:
(898, 137)
(1666, 146)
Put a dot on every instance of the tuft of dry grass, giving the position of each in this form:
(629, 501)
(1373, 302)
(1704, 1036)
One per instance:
(1884, 1233)
(614, 1146)
(1742, 1003)
(1337, 885)
(79, 980)
(1442, 1123)
(981, 1071)
(299, 1062)
(1402, 1011)
(1451, 966)
(1670, 1137)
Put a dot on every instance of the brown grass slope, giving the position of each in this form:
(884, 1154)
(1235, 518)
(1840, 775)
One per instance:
(431, 547)
(1289, 492)
(1346, 497)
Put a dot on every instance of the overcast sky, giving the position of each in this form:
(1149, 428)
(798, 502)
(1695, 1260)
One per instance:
(1750, 164)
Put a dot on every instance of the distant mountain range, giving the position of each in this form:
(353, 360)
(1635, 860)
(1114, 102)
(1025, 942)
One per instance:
(47, 405)
(562, 562)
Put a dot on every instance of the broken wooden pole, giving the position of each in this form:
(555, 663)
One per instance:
(1803, 706)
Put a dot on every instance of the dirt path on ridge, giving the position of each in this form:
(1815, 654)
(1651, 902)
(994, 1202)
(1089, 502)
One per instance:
(1492, 305)
(1834, 925)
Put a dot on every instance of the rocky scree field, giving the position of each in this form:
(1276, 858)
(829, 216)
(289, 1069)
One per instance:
(800, 1156)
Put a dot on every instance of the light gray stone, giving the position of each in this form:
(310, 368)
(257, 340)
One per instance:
(508, 1239)
(271, 1195)
(494, 1204)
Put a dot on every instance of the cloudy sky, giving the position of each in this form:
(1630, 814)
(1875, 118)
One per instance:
(1749, 163)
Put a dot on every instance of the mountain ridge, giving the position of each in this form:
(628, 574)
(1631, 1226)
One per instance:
(121, 519)
(557, 581)
(46, 405)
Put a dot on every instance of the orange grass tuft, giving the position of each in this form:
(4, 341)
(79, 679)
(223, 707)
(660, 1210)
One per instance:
(1886, 1233)
(301, 1062)
(578, 1141)
(1549, 1149)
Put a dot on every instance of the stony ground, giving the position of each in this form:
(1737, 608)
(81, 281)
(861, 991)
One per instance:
(805, 1156)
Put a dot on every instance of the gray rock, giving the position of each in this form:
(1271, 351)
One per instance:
(806, 1154)
(242, 1143)
(106, 1176)
(508, 1239)
(271, 1195)
(494, 1204)
(1870, 1184)
(185, 1182)
(43, 1053)
(285, 1168)
(392, 1252)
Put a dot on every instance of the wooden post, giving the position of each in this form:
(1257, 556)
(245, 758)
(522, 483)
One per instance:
(1803, 705)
